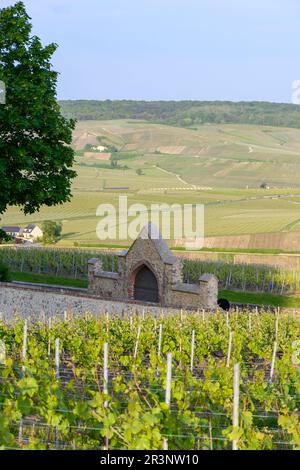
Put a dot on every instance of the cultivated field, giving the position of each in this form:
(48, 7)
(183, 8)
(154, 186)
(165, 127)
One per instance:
(174, 381)
(221, 166)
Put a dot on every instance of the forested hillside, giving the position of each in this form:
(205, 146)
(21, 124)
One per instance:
(186, 113)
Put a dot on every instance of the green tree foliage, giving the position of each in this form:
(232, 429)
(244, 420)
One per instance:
(113, 163)
(5, 275)
(4, 237)
(35, 157)
(51, 231)
(186, 113)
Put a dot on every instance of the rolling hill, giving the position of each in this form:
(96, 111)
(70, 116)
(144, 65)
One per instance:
(219, 165)
(186, 113)
(211, 155)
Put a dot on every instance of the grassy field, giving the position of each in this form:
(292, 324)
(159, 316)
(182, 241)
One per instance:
(260, 299)
(221, 166)
(53, 280)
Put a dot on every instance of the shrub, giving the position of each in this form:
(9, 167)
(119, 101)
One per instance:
(5, 275)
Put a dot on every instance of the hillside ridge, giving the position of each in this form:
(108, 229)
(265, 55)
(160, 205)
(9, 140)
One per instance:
(186, 113)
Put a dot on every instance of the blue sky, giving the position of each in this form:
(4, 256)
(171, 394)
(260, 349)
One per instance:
(171, 49)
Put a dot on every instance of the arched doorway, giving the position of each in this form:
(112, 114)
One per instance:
(145, 285)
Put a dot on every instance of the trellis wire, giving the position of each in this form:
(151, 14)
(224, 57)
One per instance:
(259, 277)
(73, 262)
(272, 367)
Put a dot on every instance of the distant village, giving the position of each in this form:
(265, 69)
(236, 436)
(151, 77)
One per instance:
(28, 235)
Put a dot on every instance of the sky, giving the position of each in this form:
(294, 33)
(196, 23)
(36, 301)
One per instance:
(171, 49)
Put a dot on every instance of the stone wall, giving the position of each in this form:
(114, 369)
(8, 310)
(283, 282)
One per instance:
(202, 295)
(34, 302)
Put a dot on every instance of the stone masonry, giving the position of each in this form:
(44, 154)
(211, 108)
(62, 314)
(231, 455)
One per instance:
(150, 253)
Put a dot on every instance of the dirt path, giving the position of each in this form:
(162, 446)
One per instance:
(176, 176)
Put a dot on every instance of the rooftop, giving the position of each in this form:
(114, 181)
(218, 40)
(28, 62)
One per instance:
(9, 228)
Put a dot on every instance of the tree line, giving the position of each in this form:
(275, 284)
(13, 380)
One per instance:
(185, 113)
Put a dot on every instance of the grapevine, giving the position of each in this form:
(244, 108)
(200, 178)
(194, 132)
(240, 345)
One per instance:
(40, 410)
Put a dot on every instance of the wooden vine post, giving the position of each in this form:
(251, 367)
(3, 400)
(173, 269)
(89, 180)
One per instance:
(229, 349)
(236, 402)
(105, 382)
(57, 358)
(24, 355)
(192, 351)
(137, 342)
(273, 361)
(168, 389)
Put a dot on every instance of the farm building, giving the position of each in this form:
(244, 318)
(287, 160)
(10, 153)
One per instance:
(12, 231)
(149, 272)
(32, 232)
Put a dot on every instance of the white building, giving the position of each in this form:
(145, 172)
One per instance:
(12, 231)
(100, 148)
(32, 232)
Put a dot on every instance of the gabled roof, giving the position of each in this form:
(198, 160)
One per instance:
(29, 228)
(150, 231)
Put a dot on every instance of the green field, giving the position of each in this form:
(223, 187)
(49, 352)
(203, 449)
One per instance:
(219, 165)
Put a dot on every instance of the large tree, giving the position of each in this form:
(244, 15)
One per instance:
(51, 231)
(35, 154)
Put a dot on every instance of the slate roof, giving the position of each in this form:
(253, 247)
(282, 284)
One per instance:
(150, 231)
(29, 228)
(11, 229)
(207, 277)
(107, 274)
(188, 288)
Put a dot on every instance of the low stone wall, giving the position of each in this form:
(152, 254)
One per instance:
(34, 302)
(106, 285)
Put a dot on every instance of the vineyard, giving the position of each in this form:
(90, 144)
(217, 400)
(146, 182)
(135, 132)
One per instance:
(246, 277)
(57, 262)
(73, 264)
(196, 381)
